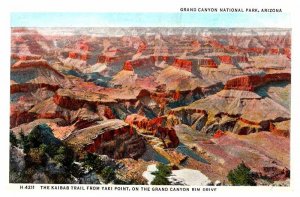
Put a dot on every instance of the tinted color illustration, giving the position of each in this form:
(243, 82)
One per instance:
(149, 105)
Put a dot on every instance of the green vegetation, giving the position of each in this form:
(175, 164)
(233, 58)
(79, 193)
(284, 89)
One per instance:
(44, 153)
(241, 176)
(161, 175)
(64, 155)
(50, 156)
(42, 134)
(108, 174)
(164, 170)
(24, 142)
(41, 141)
(13, 139)
(43, 148)
(93, 161)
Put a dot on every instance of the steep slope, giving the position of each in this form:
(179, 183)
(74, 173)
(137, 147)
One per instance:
(234, 110)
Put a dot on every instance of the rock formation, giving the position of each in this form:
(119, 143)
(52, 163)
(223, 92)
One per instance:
(205, 99)
(113, 137)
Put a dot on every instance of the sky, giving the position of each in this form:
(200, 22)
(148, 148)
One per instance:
(176, 19)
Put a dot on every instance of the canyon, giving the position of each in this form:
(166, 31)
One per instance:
(188, 99)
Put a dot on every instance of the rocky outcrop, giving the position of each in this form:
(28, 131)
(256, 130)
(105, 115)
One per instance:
(78, 118)
(274, 51)
(22, 102)
(281, 128)
(142, 47)
(17, 159)
(208, 62)
(68, 102)
(240, 59)
(30, 75)
(142, 61)
(256, 51)
(105, 59)
(27, 127)
(25, 56)
(17, 118)
(259, 151)
(137, 120)
(241, 112)
(35, 63)
(114, 138)
(30, 42)
(29, 87)
(84, 56)
(226, 59)
(73, 55)
(72, 99)
(169, 59)
(196, 118)
(287, 52)
(108, 113)
(128, 66)
(161, 127)
(250, 82)
(183, 64)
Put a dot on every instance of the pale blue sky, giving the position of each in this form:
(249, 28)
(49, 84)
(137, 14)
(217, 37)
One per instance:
(178, 19)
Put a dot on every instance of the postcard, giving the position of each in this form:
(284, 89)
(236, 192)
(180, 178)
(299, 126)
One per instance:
(193, 100)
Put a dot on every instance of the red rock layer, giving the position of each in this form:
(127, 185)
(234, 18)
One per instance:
(79, 55)
(108, 113)
(258, 51)
(218, 134)
(40, 63)
(208, 62)
(249, 122)
(27, 87)
(73, 55)
(83, 46)
(17, 118)
(226, 59)
(160, 98)
(84, 57)
(240, 59)
(188, 111)
(128, 66)
(68, 102)
(139, 62)
(195, 45)
(160, 129)
(215, 44)
(287, 52)
(157, 126)
(142, 47)
(107, 59)
(138, 120)
(183, 64)
(25, 57)
(104, 137)
(166, 58)
(274, 51)
(133, 145)
(176, 95)
(249, 83)
(279, 132)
